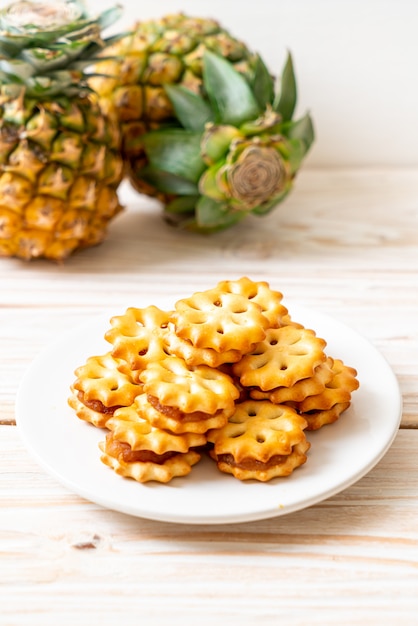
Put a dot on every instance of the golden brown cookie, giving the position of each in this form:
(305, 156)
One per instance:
(130, 428)
(101, 387)
(287, 320)
(142, 466)
(337, 390)
(259, 292)
(189, 388)
(199, 356)
(176, 421)
(138, 336)
(303, 388)
(98, 417)
(261, 441)
(317, 419)
(284, 357)
(219, 320)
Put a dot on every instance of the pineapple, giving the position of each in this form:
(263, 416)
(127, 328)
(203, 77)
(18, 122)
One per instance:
(60, 163)
(156, 53)
(237, 152)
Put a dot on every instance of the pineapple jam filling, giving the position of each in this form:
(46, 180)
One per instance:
(121, 449)
(97, 405)
(252, 464)
(174, 412)
(46, 15)
(169, 411)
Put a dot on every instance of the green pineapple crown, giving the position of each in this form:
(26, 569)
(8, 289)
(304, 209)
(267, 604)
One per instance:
(46, 46)
(236, 149)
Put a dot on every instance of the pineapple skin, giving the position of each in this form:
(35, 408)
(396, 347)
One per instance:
(60, 167)
(158, 52)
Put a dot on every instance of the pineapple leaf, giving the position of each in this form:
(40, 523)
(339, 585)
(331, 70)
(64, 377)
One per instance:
(230, 95)
(82, 29)
(14, 42)
(208, 183)
(58, 82)
(302, 129)
(215, 215)
(13, 82)
(9, 45)
(109, 16)
(191, 110)
(296, 155)
(175, 151)
(15, 67)
(57, 56)
(182, 204)
(169, 183)
(285, 101)
(263, 84)
(41, 59)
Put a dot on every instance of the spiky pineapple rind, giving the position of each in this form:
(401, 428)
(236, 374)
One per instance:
(60, 163)
(58, 189)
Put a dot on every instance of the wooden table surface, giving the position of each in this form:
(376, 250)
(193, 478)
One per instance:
(345, 243)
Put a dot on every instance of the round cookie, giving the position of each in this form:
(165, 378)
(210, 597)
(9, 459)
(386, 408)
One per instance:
(261, 441)
(219, 320)
(138, 336)
(103, 384)
(259, 292)
(189, 388)
(286, 355)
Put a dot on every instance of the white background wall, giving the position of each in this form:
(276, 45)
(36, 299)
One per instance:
(356, 64)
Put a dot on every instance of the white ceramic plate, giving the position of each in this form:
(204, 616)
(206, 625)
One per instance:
(340, 453)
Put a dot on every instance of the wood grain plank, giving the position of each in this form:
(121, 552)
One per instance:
(345, 243)
(347, 560)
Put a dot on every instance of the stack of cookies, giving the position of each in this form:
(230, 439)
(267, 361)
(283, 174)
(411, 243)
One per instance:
(226, 373)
